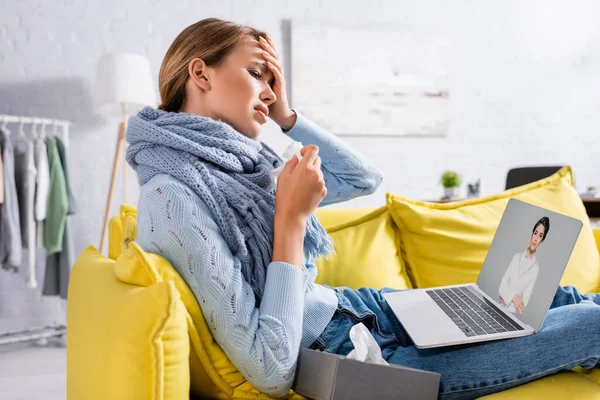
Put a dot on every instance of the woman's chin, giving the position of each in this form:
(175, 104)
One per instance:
(254, 130)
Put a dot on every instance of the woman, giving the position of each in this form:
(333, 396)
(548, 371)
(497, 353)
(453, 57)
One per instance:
(247, 249)
(522, 272)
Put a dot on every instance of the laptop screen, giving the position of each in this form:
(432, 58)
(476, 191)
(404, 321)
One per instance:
(527, 258)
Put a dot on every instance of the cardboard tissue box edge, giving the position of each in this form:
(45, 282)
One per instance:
(325, 376)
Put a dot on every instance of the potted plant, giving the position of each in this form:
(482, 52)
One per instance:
(451, 181)
(590, 192)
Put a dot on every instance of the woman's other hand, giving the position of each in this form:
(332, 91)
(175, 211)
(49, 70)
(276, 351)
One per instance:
(300, 186)
(300, 189)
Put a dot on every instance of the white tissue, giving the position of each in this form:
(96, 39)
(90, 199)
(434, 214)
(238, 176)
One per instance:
(366, 348)
(293, 149)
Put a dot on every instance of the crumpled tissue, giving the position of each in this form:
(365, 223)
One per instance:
(366, 348)
(293, 149)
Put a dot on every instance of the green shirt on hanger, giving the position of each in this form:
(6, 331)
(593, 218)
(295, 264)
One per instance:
(58, 201)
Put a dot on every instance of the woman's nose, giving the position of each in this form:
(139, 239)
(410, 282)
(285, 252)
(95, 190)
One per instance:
(269, 96)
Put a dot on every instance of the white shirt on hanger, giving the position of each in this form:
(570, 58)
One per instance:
(42, 187)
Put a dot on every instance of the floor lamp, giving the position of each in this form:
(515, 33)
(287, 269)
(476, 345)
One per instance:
(123, 87)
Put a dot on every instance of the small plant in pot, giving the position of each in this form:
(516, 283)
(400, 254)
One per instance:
(590, 192)
(451, 181)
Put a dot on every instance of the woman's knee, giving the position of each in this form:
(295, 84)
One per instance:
(588, 335)
(574, 321)
(590, 314)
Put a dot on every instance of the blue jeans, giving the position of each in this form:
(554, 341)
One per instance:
(570, 337)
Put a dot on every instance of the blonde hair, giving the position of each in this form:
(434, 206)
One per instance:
(210, 39)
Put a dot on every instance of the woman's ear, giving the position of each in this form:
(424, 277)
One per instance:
(198, 71)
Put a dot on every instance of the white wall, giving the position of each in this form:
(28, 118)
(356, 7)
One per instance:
(525, 89)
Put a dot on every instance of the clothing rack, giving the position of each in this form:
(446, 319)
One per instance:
(41, 334)
(31, 120)
(22, 120)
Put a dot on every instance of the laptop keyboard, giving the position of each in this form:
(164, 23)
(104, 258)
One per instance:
(473, 315)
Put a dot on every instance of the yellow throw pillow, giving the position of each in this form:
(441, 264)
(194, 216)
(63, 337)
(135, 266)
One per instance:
(446, 243)
(124, 341)
(366, 254)
(212, 374)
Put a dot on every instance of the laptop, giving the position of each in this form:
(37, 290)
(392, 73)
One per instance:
(514, 290)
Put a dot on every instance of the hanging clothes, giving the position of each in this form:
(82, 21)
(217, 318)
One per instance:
(25, 182)
(42, 187)
(58, 201)
(58, 265)
(62, 153)
(10, 227)
(25, 173)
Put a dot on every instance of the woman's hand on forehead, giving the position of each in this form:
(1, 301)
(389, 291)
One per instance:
(279, 111)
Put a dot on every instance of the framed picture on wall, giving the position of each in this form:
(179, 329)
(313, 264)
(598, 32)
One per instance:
(368, 79)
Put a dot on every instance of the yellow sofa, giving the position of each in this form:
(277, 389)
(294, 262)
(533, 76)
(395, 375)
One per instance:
(135, 330)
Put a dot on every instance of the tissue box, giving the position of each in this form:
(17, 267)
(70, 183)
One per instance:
(325, 376)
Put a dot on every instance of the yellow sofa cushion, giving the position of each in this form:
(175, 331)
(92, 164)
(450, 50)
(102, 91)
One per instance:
(366, 254)
(212, 374)
(331, 216)
(123, 341)
(563, 385)
(592, 374)
(446, 243)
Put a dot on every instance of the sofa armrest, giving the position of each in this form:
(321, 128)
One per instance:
(124, 341)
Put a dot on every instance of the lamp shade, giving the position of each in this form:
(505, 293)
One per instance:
(123, 84)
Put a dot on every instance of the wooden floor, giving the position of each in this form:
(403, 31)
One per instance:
(29, 372)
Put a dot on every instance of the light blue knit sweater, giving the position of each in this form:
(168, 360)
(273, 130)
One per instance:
(263, 343)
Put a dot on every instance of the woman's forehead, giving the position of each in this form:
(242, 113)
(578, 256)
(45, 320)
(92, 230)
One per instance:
(249, 47)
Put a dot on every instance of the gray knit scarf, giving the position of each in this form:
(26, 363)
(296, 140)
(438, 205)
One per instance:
(229, 172)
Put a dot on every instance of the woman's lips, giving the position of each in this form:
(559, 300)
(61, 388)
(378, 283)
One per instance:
(261, 116)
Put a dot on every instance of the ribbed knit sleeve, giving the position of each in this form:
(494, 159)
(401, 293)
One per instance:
(346, 172)
(263, 343)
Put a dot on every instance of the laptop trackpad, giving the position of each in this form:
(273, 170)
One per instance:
(423, 319)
